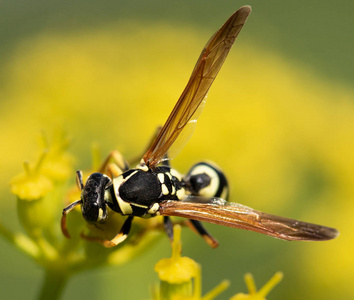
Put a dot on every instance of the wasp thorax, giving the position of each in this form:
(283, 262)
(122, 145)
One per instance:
(93, 205)
(141, 188)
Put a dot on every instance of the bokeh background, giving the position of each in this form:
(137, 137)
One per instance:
(279, 121)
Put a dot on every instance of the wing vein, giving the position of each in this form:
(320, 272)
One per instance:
(243, 217)
(190, 103)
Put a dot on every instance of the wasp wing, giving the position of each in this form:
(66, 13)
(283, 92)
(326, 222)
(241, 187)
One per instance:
(221, 212)
(189, 105)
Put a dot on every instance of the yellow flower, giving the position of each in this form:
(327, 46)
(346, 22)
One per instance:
(180, 277)
(32, 184)
(262, 293)
(41, 192)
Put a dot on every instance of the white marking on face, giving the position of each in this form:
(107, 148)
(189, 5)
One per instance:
(100, 214)
(173, 190)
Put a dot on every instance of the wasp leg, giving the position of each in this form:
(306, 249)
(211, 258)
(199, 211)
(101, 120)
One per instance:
(168, 226)
(117, 159)
(122, 235)
(119, 238)
(66, 210)
(112, 170)
(198, 228)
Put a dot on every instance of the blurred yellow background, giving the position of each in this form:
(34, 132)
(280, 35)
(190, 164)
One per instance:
(279, 121)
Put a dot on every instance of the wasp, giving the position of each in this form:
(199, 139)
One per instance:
(153, 188)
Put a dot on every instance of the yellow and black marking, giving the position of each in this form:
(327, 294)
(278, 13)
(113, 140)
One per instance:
(153, 188)
(206, 179)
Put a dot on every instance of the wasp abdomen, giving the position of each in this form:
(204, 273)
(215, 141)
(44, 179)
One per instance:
(206, 179)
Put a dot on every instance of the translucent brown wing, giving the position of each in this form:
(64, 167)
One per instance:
(239, 216)
(188, 107)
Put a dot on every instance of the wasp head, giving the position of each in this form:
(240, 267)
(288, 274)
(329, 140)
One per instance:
(93, 204)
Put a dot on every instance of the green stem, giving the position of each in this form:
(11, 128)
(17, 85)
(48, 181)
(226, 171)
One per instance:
(21, 241)
(53, 286)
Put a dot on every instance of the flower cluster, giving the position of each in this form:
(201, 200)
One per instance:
(42, 191)
(45, 188)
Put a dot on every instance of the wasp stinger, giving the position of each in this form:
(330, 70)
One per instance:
(154, 188)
